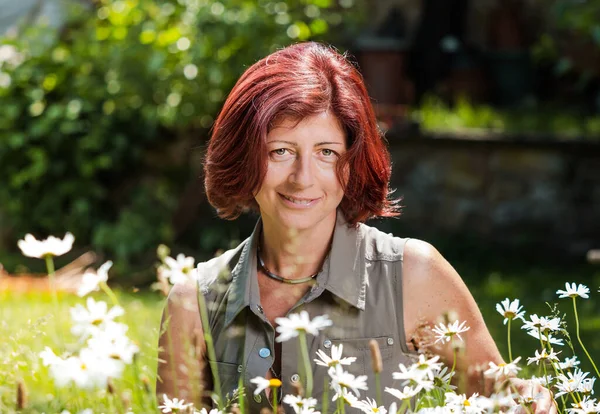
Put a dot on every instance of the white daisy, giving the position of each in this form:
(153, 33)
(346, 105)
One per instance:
(569, 363)
(113, 342)
(91, 280)
(585, 406)
(460, 403)
(497, 402)
(446, 333)
(49, 357)
(406, 394)
(173, 406)
(427, 367)
(346, 395)
(503, 370)
(543, 356)
(544, 381)
(291, 326)
(177, 270)
(343, 379)
(86, 370)
(369, 406)
(587, 386)
(542, 323)
(264, 383)
(546, 338)
(52, 246)
(336, 357)
(299, 404)
(441, 378)
(573, 291)
(510, 310)
(87, 321)
(569, 383)
(205, 411)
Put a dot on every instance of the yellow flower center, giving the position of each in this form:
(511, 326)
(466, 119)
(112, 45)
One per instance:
(466, 403)
(509, 314)
(274, 383)
(501, 365)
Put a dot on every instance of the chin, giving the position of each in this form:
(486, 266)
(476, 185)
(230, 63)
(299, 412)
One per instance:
(303, 220)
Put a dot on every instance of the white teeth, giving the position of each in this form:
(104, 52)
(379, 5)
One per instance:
(295, 201)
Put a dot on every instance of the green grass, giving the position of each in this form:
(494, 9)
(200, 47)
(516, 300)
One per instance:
(28, 324)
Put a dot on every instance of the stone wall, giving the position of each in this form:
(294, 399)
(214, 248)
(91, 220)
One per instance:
(523, 193)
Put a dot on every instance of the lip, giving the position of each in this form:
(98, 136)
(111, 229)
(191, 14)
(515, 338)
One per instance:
(291, 204)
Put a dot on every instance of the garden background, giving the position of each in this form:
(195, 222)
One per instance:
(491, 110)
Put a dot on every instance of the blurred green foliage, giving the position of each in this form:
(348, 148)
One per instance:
(572, 40)
(101, 120)
(437, 116)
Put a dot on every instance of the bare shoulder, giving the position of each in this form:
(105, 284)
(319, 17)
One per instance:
(183, 297)
(423, 263)
(431, 285)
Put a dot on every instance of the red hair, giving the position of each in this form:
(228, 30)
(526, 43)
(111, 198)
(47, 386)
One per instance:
(296, 82)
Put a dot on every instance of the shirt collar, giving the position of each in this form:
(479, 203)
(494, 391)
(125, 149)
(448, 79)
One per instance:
(343, 273)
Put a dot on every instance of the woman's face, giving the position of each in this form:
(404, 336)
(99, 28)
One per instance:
(301, 189)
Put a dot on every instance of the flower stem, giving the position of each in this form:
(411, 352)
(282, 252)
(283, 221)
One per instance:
(306, 362)
(53, 294)
(274, 392)
(378, 389)
(579, 338)
(510, 358)
(210, 348)
(453, 366)
(50, 269)
(109, 293)
(325, 403)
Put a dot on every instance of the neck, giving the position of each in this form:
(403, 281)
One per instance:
(295, 254)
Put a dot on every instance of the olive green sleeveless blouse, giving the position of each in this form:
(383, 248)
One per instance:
(359, 288)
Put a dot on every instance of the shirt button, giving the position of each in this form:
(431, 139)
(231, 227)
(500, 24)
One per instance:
(257, 398)
(390, 341)
(240, 368)
(295, 378)
(327, 343)
(264, 352)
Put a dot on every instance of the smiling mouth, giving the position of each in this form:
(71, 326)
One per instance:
(299, 201)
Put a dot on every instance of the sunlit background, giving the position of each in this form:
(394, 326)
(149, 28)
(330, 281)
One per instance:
(491, 110)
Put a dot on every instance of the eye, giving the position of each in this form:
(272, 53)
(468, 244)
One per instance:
(279, 151)
(328, 152)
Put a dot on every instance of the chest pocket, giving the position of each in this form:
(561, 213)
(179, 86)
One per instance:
(359, 348)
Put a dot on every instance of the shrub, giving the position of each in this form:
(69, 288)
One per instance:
(100, 120)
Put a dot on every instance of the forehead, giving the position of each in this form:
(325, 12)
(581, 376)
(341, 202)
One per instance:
(315, 127)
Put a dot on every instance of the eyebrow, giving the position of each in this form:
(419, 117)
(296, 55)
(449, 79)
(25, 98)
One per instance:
(318, 144)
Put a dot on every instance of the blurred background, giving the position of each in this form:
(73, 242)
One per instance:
(491, 109)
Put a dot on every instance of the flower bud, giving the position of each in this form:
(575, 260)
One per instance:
(21, 395)
(376, 362)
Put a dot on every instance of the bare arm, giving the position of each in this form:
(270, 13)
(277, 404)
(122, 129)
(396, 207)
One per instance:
(431, 288)
(182, 372)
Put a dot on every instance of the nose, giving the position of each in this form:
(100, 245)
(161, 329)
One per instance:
(302, 174)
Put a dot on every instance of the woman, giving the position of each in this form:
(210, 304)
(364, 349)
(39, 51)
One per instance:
(297, 142)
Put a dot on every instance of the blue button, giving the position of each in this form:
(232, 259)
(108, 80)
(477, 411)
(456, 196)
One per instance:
(264, 352)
